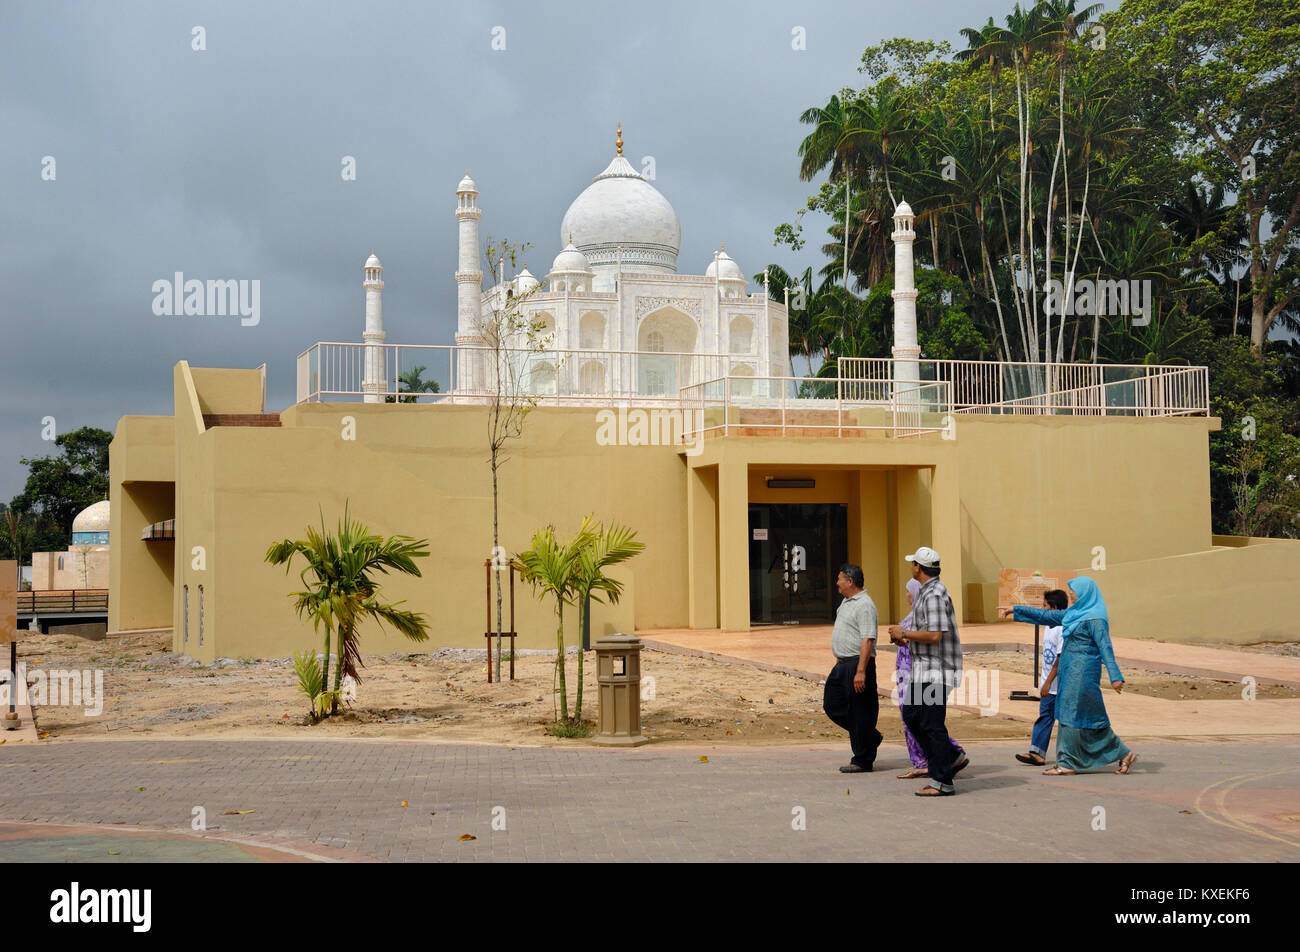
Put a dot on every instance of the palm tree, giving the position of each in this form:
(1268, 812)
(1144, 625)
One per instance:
(1063, 24)
(609, 545)
(412, 383)
(874, 126)
(550, 567)
(824, 146)
(1026, 33)
(341, 591)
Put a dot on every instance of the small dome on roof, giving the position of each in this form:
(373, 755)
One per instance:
(373, 262)
(92, 518)
(725, 268)
(570, 260)
(525, 282)
(91, 525)
(467, 184)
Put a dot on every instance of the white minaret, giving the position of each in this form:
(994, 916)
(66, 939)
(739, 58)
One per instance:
(469, 287)
(373, 384)
(469, 279)
(906, 351)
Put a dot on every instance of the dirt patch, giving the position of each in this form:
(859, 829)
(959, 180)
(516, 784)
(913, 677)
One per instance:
(151, 692)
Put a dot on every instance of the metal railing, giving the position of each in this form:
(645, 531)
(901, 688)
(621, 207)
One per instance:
(333, 371)
(814, 406)
(1021, 387)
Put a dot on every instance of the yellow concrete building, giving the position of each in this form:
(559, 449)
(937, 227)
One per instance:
(1005, 490)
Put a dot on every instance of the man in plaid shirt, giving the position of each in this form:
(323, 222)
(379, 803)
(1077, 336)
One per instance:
(936, 669)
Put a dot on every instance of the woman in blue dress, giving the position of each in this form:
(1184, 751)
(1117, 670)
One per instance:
(1085, 740)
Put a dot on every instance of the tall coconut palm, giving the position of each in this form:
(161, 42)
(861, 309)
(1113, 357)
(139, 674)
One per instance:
(1026, 33)
(1063, 24)
(340, 586)
(824, 146)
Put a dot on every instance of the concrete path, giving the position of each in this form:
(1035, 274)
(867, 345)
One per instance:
(806, 650)
(338, 799)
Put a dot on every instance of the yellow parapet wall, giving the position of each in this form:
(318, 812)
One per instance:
(1237, 594)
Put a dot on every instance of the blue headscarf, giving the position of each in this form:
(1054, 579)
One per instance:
(1089, 604)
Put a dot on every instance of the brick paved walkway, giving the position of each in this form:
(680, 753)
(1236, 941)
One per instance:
(1187, 801)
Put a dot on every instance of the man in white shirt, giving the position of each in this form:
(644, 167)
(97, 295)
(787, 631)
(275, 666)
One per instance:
(850, 698)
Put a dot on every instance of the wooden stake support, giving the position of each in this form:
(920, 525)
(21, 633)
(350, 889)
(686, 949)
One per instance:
(489, 634)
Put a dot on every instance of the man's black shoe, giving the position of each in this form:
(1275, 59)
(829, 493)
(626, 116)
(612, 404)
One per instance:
(854, 768)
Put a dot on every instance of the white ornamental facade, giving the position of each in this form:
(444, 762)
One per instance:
(614, 291)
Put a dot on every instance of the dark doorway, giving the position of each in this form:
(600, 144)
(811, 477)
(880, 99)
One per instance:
(795, 553)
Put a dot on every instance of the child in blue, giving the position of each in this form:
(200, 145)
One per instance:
(1053, 640)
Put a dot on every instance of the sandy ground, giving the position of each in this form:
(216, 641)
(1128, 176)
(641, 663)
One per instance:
(148, 691)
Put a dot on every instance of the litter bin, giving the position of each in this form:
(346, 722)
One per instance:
(618, 674)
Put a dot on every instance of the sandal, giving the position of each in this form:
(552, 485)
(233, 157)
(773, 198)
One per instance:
(1058, 771)
(914, 773)
(1126, 764)
(928, 791)
(1029, 758)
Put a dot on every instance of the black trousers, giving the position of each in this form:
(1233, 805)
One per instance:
(925, 719)
(856, 713)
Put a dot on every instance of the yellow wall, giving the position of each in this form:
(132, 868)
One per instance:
(1238, 594)
(228, 391)
(1045, 491)
(82, 568)
(142, 466)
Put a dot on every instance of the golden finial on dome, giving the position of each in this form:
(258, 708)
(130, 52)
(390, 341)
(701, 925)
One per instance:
(724, 247)
(619, 141)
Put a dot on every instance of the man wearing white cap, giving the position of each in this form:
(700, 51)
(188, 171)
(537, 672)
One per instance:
(936, 669)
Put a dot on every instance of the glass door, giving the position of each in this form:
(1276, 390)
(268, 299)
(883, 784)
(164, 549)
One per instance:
(795, 552)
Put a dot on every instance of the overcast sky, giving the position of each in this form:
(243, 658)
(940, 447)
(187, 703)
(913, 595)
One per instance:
(225, 163)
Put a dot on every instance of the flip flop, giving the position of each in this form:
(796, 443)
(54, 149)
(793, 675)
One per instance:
(1029, 759)
(1126, 764)
(913, 774)
(928, 791)
(1058, 772)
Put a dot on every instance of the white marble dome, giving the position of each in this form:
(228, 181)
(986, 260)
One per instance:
(467, 184)
(570, 261)
(371, 263)
(725, 267)
(620, 209)
(525, 281)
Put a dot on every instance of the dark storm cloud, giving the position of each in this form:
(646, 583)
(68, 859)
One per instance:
(226, 164)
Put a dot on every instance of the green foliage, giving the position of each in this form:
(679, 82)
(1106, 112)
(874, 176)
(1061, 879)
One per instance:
(57, 488)
(570, 572)
(571, 728)
(340, 587)
(1153, 143)
(412, 382)
(311, 677)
